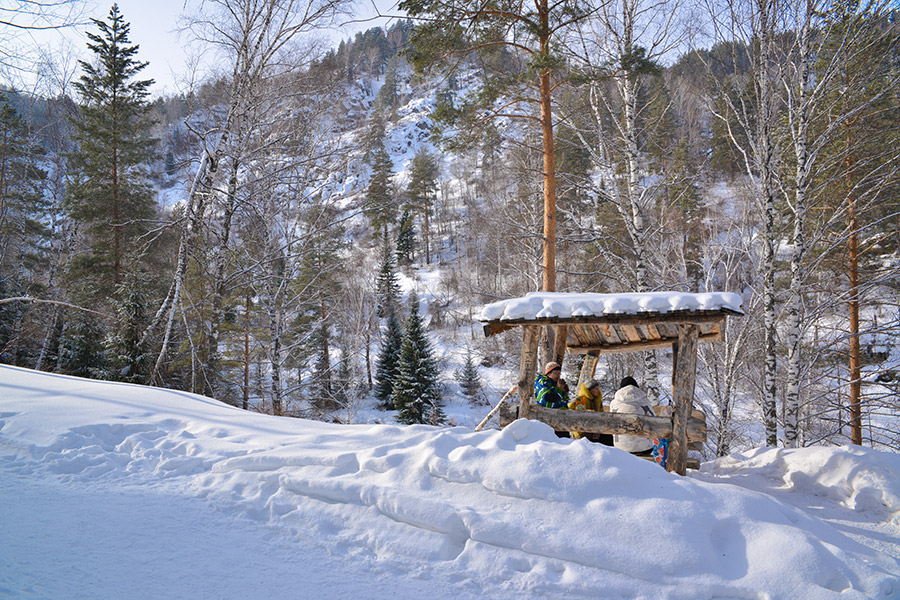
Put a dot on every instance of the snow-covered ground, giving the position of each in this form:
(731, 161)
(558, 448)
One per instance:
(120, 491)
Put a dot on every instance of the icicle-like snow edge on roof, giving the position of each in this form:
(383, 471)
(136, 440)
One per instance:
(546, 305)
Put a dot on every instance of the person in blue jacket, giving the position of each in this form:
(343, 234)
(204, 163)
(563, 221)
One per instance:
(547, 389)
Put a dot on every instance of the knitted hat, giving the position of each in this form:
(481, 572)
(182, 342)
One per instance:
(551, 366)
(592, 384)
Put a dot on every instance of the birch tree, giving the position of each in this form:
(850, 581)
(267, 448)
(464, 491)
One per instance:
(254, 36)
(621, 49)
(750, 122)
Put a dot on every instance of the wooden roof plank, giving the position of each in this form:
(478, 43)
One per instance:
(642, 346)
(610, 334)
(631, 334)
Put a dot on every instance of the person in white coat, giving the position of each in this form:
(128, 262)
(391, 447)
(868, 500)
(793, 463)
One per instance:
(631, 399)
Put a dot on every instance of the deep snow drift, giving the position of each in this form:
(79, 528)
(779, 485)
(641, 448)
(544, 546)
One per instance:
(112, 490)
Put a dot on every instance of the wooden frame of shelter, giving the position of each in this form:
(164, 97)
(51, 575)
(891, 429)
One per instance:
(620, 333)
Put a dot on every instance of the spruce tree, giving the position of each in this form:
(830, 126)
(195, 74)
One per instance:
(387, 286)
(110, 193)
(127, 356)
(82, 352)
(406, 238)
(386, 363)
(468, 379)
(417, 391)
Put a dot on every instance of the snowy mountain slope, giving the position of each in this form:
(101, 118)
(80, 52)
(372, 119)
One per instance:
(208, 501)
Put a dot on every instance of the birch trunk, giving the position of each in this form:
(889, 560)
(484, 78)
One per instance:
(798, 242)
(634, 194)
(765, 158)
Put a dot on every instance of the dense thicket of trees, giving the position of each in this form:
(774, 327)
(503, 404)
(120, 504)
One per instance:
(764, 162)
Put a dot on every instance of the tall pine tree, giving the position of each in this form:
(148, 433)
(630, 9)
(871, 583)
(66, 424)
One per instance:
(422, 191)
(380, 206)
(110, 193)
(417, 391)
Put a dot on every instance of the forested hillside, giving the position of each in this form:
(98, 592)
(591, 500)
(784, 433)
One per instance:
(310, 232)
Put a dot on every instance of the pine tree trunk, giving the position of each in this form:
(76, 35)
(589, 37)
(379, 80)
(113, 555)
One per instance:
(427, 237)
(853, 304)
(246, 387)
(116, 224)
(549, 242)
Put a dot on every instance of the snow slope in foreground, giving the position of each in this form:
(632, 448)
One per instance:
(112, 490)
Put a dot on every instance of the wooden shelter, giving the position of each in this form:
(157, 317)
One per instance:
(595, 324)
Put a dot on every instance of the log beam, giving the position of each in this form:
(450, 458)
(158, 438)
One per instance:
(683, 377)
(616, 423)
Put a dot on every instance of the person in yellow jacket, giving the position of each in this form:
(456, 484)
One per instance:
(590, 397)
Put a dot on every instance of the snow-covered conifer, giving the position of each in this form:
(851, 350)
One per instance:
(406, 238)
(386, 365)
(387, 286)
(417, 391)
(468, 378)
(82, 350)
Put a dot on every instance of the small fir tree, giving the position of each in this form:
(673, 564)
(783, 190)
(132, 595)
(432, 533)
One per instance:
(468, 378)
(344, 384)
(127, 356)
(417, 391)
(406, 238)
(82, 350)
(387, 285)
(387, 362)
(323, 390)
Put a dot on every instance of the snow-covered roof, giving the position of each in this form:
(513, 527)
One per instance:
(560, 305)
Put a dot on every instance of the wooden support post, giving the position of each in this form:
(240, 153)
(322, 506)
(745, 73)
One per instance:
(559, 343)
(588, 368)
(531, 337)
(683, 375)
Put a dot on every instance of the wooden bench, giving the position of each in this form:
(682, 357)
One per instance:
(659, 426)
